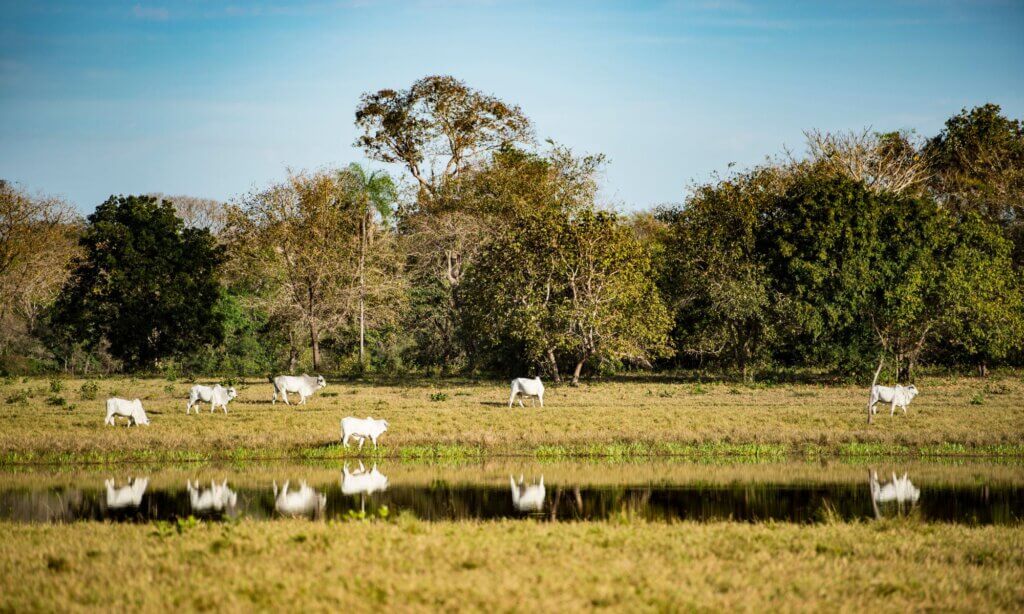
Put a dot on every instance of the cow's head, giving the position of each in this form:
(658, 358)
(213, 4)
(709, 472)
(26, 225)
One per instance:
(139, 414)
(320, 381)
(911, 391)
(232, 393)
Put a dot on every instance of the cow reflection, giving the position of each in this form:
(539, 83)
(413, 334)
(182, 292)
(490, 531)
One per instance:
(216, 498)
(362, 482)
(527, 498)
(302, 502)
(126, 496)
(900, 491)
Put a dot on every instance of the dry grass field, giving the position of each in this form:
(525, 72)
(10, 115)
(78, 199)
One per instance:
(952, 416)
(410, 565)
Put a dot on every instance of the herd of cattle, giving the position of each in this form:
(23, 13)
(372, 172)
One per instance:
(304, 386)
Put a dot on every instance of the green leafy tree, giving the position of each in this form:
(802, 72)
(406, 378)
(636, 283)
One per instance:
(567, 286)
(145, 284)
(977, 164)
(712, 277)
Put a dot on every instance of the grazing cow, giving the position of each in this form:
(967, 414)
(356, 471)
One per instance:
(303, 385)
(526, 387)
(215, 498)
(126, 496)
(527, 498)
(214, 395)
(303, 502)
(362, 429)
(129, 409)
(362, 481)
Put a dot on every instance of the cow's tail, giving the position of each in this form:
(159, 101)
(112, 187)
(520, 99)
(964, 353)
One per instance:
(270, 378)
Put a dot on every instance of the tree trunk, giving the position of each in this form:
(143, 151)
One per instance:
(982, 369)
(293, 353)
(362, 293)
(576, 371)
(554, 367)
(314, 336)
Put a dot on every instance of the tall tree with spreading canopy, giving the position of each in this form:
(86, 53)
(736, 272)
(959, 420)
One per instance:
(38, 240)
(144, 283)
(437, 128)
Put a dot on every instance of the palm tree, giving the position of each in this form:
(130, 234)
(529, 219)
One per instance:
(376, 195)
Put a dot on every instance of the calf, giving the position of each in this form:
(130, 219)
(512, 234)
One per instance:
(362, 429)
(303, 385)
(215, 396)
(129, 409)
(526, 387)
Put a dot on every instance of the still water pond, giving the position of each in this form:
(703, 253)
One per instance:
(792, 492)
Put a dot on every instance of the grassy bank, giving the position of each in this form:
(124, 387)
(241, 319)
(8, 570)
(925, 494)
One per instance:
(459, 420)
(503, 566)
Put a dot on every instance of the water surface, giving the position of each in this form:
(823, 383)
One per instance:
(972, 493)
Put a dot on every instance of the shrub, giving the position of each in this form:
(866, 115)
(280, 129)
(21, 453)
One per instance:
(439, 396)
(56, 401)
(19, 396)
(56, 385)
(89, 390)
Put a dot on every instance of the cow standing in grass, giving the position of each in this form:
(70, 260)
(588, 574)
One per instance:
(303, 385)
(526, 387)
(129, 409)
(216, 396)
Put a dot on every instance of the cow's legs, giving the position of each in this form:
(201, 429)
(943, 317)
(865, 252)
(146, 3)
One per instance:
(374, 439)
(344, 439)
(892, 408)
(511, 399)
(362, 440)
(541, 399)
(284, 397)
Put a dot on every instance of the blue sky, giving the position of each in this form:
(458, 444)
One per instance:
(213, 98)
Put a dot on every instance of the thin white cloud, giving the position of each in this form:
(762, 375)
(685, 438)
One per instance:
(151, 13)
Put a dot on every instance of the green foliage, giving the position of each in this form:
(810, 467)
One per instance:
(88, 390)
(145, 284)
(56, 385)
(438, 396)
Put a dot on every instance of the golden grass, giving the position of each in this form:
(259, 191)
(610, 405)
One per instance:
(408, 565)
(952, 415)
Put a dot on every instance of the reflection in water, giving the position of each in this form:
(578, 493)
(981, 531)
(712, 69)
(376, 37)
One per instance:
(126, 496)
(560, 495)
(900, 491)
(527, 498)
(302, 502)
(216, 498)
(361, 481)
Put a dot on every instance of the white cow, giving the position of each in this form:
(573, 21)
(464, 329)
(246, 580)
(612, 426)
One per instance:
(303, 502)
(129, 409)
(126, 496)
(527, 498)
(215, 498)
(900, 490)
(362, 481)
(216, 396)
(303, 385)
(526, 387)
(895, 396)
(362, 429)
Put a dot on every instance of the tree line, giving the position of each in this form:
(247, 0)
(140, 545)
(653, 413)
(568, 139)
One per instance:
(492, 253)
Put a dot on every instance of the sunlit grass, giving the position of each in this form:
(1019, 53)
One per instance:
(619, 419)
(407, 565)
